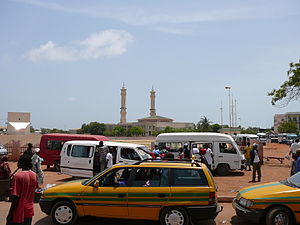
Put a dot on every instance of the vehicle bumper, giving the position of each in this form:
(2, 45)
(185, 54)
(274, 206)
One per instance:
(204, 212)
(45, 206)
(253, 215)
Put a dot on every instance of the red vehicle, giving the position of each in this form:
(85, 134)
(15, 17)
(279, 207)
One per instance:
(51, 144)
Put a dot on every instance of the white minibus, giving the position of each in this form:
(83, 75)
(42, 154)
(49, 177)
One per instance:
(227, 155)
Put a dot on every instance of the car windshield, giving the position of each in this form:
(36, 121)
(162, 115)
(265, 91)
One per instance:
(293, 180)
(144, 152)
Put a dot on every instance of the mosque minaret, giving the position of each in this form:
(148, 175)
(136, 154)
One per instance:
(152, 98)
(123, 105)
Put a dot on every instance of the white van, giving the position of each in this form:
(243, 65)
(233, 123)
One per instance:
(243, 139)
(81, 158)
(227, 155)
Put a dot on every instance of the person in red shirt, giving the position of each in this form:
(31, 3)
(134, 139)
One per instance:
(23, 188)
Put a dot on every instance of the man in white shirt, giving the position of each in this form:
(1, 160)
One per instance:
(109, 159)
(294, 147)
(209, 157)
(255, 162)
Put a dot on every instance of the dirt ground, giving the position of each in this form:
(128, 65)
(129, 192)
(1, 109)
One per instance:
(272, 170)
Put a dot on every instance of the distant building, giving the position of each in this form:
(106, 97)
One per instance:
(149, 124)
(18, 123)
(279, 118)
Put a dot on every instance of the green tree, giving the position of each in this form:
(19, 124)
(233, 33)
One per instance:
(119, 131)
(215, 127)
(136, 131)
(250, 130)
(290, 89)
(204, 125)
(288, 126)
(92, 128)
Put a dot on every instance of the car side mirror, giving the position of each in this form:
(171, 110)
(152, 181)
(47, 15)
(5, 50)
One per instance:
(97, 184)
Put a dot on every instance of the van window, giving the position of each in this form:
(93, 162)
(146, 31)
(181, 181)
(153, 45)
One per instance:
(69, 150)
(82, 151)
(227, 148)
(171, 146)
(188, 177)
(151, 177)
(54, 145)
(129, 153)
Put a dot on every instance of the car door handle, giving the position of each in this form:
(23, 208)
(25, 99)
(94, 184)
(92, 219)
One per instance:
(161, 195)
(90, 161)
(121, 195)
(220, 156)
(120, 161)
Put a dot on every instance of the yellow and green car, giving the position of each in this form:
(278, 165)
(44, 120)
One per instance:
(276, 203)
(171, 192)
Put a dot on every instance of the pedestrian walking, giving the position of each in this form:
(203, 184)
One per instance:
(24, 184)
(103, 150)
(37, 166)
(247, 151)
(256, 163)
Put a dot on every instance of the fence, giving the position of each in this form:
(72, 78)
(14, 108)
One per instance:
(15, 150)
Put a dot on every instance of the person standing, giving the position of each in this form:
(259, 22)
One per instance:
(255, 162)
(208, 157)
(247, 151)
(103, 150)
(37, 166)
(24, 184)
(29, 150)
(5, 173)
(294, 147)
(109, 159)
(186, 151)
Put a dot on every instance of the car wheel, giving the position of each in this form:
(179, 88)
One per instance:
(279, 216)
(223, 169)
(174, 216)
(64, 213)
(57, 165)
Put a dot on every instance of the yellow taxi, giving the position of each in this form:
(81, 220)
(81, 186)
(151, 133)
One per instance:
(170, 192)
(276, 203)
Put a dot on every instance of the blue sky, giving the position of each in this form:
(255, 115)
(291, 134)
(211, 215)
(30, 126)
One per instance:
(65, 61)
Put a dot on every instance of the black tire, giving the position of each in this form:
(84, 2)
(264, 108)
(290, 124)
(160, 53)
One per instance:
(57, 165)
(64, 213)
(174, 215)
(279, 215)
(223, 169)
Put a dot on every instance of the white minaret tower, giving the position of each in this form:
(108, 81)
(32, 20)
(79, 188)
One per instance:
(152, 98)
(123, 105)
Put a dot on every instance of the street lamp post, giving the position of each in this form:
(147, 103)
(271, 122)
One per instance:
(228, 88)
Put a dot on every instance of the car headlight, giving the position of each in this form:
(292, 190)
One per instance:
(245, 202)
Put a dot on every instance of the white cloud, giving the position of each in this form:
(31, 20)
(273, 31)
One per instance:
(107, 43)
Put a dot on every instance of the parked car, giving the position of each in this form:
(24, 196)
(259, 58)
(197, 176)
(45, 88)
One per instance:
(171, 192)
(271, 203)
(3, 150)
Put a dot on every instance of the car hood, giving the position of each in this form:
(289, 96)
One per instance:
(66, 189)
(274, 190)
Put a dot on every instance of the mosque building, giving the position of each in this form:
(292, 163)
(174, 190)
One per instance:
(151, 123)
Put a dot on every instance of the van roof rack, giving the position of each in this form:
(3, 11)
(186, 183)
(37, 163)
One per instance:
(193, 162)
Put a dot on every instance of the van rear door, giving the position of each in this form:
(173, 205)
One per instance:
(81, 160)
